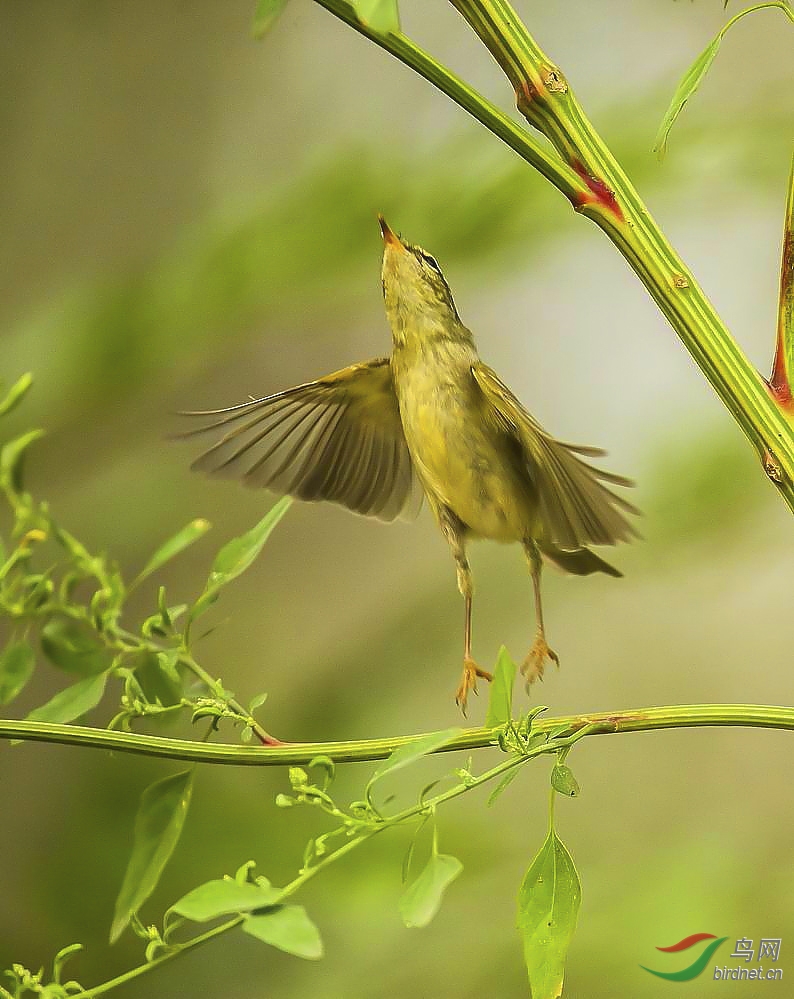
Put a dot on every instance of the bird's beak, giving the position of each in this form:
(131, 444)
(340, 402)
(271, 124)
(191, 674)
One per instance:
(389, 238)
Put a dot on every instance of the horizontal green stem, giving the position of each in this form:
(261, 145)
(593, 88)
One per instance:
(640, 720)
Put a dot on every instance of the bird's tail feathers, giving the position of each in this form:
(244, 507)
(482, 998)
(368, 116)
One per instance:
(580, 562)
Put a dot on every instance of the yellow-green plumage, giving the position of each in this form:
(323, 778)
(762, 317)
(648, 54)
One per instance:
(435, 415)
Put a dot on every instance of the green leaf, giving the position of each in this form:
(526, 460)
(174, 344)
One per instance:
(288, 928)
(12, 456)
(381, 16)
(500, 703)
(174, 546)
(238, 554)
(690, 81)
(218, 898)
(414, 750)
(72, 647)
(16, 668)
(503, 785)
(72, 703)
(422, 899)
(693, 77)
(156, 673)
(158, 826)
(563, 780)
(548, 906)
(16, 393)
(265, 15)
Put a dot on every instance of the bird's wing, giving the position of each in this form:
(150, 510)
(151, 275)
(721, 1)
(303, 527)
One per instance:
(338, 438)
(575, 506)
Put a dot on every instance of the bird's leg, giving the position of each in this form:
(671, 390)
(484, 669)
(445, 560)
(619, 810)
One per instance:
(453, 532)
(533, 665)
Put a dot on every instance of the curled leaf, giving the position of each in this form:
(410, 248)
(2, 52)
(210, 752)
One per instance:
(563, 780)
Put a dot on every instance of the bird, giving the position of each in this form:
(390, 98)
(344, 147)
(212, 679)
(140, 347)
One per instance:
(432, 421)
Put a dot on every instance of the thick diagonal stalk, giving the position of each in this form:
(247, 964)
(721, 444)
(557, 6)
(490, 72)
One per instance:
(545, 99)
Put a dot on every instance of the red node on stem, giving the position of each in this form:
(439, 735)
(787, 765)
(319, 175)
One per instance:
(599, 193)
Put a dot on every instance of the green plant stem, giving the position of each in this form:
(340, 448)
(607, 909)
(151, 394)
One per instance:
(389, 822)
(545, 160)
(215, 687)
(545, 99)
(296, 753)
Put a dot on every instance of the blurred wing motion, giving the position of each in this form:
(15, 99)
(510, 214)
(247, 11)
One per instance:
(576, 508)
(339, 439)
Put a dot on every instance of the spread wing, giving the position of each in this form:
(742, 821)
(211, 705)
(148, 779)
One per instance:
(576, 507)
(338, 438)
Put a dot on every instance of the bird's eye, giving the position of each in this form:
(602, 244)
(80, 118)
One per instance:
(432, 262)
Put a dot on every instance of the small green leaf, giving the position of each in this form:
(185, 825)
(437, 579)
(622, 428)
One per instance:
(422, 899)
(690, 81)
(563, 780)
(693, 77)
(174, 546)
(218, 898)
(265, 15)
(12, 456)
(414, 750)
(382, 16)
(158, 677)
(548, 906)
(503, 785)
(288, 928)
(72, 647)
(16, 668)
(500, 703)
(72, 703)
(256, 702)
(238, 554)
(158, 826)
(16, 393)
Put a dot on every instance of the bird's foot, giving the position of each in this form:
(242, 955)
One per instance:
(533, 666)
(471, 673)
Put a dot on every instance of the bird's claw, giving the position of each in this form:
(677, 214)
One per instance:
(471, 673)
(533, 666)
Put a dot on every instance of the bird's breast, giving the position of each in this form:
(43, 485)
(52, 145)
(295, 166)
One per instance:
(459, 457)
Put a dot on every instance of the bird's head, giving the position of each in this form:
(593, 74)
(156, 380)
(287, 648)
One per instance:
(416, 294)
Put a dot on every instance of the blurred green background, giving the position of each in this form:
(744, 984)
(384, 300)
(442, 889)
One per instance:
(189, 217)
